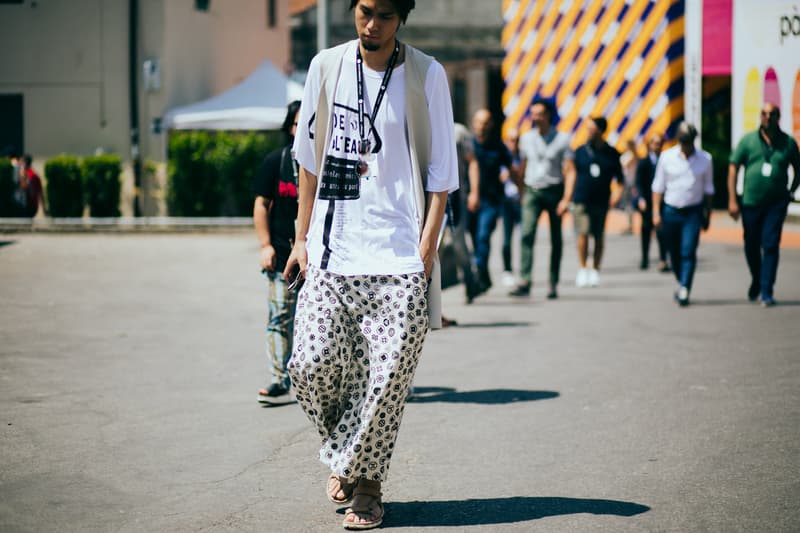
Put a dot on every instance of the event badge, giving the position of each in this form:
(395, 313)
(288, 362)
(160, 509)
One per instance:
(766, 170)
(594, 170)
(539, 170)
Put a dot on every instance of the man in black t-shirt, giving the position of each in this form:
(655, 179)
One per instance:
(274, 214)
(597, 165)
(487, 192)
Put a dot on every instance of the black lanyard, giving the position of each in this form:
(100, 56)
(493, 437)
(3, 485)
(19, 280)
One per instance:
(364, 145)
(766, 148)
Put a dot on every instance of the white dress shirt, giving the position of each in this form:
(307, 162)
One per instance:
(684, 182)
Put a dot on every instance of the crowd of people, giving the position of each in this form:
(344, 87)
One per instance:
(27, 194)
(350, 213)
(672, 192)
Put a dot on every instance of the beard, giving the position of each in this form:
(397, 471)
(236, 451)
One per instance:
(370, 47)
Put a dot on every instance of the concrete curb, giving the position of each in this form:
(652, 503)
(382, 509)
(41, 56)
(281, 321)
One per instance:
(124, 224)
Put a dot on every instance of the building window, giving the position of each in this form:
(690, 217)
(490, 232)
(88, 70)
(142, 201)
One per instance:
(12, 127)
(271, 22)
(201, 5)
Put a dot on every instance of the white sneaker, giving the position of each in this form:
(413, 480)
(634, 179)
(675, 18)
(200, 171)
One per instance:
(593, 278)
(509, 280)
(582, 279)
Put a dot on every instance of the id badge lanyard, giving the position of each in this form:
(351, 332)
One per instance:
(767, 150)
(364, 144)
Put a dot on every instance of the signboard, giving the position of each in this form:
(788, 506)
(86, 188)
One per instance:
(766, 63)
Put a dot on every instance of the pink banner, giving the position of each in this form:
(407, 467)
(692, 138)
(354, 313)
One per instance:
(717, 22)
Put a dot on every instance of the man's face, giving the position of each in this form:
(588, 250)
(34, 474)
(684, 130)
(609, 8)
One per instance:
(377, 22)
(592, 130)
(293, 129)
(482, 123)
(539, 116)
(769, 116)
(655, 144)
(512, 140)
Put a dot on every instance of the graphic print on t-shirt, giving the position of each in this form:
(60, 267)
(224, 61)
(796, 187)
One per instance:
(344, 166)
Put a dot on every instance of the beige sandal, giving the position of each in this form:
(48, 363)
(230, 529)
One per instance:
(335, 485)
(366, 504)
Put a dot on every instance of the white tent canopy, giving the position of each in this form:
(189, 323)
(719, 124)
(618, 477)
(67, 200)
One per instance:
(257, 103)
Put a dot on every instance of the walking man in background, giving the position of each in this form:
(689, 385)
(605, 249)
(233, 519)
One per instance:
(378, 159)
(546, 159)
(486, 192)
(274, 213)
(685, 182)
(31, 185)
(511, 205)
(597, 165)
(766, 155)
(645, 172)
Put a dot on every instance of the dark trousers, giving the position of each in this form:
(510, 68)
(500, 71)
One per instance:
(646, 234)
(486, 224)
(535, 202)
(511, 217)
(681, 229)
(763, 226)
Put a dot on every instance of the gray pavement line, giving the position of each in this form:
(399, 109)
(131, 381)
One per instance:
(270, 458)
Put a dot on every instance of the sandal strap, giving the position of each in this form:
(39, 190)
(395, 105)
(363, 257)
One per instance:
(374, 506)
(361, 489)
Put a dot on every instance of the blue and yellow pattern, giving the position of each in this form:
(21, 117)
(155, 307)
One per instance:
(622, 59)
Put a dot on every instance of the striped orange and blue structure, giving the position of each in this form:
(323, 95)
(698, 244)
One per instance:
(623, 59)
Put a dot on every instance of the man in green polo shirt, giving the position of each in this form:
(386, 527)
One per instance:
(766, 155)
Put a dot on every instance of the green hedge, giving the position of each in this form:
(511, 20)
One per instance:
(211, 173)
(64, 186)
(102, 184)
(7, 206)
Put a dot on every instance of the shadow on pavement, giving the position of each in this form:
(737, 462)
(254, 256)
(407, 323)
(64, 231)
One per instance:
(276, 403)
(6, 243)
(741, 301)
(485, 511)
(495, 324)
(585, 295)
(487, 397)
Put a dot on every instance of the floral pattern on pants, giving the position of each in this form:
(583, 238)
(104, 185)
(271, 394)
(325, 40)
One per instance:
(357, 344)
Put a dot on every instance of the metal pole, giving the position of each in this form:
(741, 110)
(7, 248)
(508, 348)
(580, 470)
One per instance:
(133, 89)
(323, 22)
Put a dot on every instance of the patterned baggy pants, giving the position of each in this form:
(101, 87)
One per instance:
(357, 344)
(280, 327)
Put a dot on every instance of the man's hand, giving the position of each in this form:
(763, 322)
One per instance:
(642, 204)
(733, 209)
(657, 220)
(428, 254)
(473, 201)
(706, 219)
(298, 256)
(267, 259)
(563, 207)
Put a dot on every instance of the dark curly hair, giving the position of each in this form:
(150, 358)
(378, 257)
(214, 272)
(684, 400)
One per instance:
(288, 122)
(601, 123)
(403, 7)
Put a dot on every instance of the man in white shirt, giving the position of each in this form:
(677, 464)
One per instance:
(375, 144)
(685, 181)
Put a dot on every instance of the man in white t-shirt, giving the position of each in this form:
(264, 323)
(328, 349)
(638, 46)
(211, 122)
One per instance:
(377, 160)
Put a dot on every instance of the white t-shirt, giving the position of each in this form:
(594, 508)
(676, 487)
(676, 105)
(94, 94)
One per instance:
(369, 224)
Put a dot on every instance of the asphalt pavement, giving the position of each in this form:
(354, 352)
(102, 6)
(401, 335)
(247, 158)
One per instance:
(129, 365)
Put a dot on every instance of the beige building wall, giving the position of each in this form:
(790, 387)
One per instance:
(69, 59)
